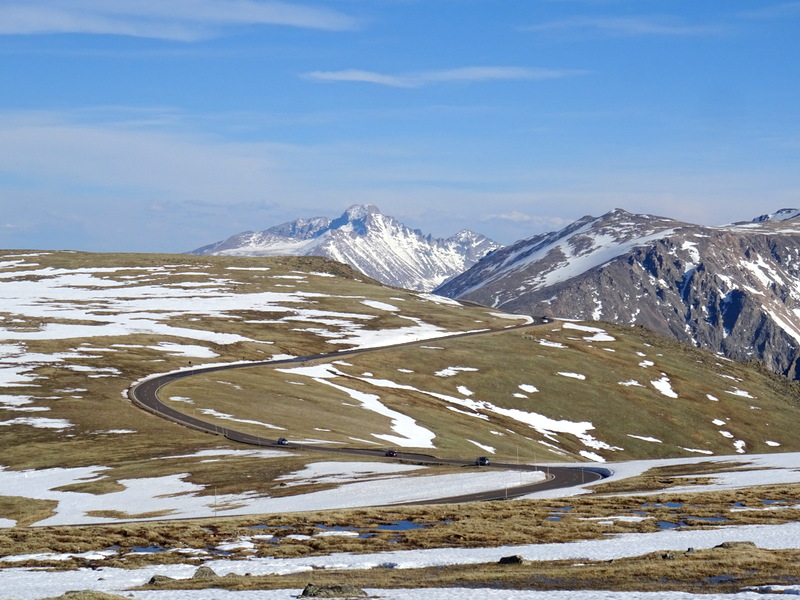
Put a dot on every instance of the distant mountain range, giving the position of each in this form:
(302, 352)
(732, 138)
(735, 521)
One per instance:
(733, 289)
(375, 244)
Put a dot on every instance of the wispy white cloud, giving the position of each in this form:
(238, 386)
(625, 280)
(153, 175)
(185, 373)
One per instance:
(182, 20)
(462, 74)
(141, 159)
(361, 76)
(628, 26)
(516, 216)
(774, 11)
(28, 20)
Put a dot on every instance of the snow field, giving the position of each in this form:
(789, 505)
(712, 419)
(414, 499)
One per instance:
(358, 484)
(333, 472)
(30, 584)
(765, 469)
(131, 307)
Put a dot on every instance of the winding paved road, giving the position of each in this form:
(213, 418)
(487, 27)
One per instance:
(144, 394)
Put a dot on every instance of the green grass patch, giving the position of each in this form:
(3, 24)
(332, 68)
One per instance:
(638, 420)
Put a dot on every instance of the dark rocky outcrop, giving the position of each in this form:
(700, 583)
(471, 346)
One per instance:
(333, 591)
(737, 546)
(516, 559)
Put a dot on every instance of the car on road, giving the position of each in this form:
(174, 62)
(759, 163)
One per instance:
(283, 442)
(482, 461)
(391, 453)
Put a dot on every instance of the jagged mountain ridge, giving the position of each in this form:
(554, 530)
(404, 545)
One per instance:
(733, 289)
(375, 244)
(783, 214)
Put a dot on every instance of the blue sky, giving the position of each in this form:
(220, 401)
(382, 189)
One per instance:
(161, 126)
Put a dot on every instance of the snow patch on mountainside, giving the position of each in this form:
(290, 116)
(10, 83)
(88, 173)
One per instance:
(549, 259)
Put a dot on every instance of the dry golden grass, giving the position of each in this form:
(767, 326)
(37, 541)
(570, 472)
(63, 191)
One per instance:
(103, 486)
(501, 363)
(26, 511)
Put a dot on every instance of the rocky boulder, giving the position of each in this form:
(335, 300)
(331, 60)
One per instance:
(333, 591)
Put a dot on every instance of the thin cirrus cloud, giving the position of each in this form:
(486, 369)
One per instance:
(420, 79)
(181, 20)
(52, 147)
(629, 26)
(515, 216)
(775, 11)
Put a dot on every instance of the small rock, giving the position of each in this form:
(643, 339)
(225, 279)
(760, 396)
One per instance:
(671, 555)
(333, 591)
(87, 595)
(156, 579)
(512, 560)
(736, 545)
(204, 573)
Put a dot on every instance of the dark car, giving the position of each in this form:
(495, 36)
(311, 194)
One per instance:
(391, 453)
(482, 461)
(283, 442)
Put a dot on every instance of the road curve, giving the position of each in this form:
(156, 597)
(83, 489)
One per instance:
(144, 394)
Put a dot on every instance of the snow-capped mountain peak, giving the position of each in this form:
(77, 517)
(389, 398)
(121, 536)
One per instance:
(359, 212)
(356, 218)
(550, 258)
(376, 244)
(302, 229)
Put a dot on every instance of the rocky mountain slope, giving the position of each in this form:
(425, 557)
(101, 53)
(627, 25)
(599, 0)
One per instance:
(733, 289)
(373, 243)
